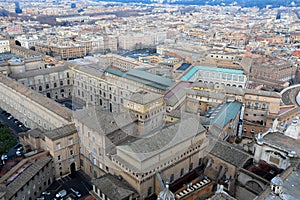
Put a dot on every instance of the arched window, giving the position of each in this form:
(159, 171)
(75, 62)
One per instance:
(40, 88)
(55, 85)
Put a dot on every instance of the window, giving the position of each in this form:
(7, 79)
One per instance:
(55, 85)
(61, 83)
(58, 146)
(47, 86)
(248, 104)
(191, 167)
(181, 172)
(71, 152)
(70, 141)
(149, 191)
(171, 178)
(58, 157)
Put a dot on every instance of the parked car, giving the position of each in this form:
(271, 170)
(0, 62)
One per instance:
(20, 124)
(16, 121)
(46, 193)
(4, 157)
(18, 153)
(61, 194)
(10, 117)
(20, 149)
(76, 193)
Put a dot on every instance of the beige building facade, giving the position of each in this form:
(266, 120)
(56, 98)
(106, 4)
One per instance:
(31, 108)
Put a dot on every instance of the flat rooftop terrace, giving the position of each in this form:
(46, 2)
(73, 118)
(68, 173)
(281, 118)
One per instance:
(195, 69)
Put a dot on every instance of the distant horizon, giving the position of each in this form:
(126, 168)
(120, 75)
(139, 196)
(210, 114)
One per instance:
(242, 3)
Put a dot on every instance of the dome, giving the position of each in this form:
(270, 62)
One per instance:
(277, 181)
(166, 194)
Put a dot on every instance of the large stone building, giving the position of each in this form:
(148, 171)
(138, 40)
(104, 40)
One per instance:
(28, 179)
(121, 129)
(273, 68)
(31, 108)
(216, 75)
(62, 144)
(55, 83)
(276, 148)
(172, 149)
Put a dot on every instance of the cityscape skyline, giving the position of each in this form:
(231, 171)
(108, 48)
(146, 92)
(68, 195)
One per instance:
(149, 100)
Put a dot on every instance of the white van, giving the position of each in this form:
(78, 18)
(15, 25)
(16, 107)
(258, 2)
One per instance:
(61, 194)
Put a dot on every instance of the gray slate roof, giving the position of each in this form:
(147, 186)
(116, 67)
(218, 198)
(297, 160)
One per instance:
(229, 153)
(290, 188)
(61, 132)
(26, 175)
(158, 141)
(283, 142)
(113, 187)
(46, 71)
(143, 97)
(103, 121)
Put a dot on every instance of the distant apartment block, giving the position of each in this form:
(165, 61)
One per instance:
(4, 46)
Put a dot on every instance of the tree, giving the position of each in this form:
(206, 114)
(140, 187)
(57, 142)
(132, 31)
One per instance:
(7, 140)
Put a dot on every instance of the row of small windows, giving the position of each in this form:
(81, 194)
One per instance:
(217, 83)
(256, 105)
(46, 78)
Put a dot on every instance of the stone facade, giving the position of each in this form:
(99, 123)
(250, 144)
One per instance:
(55, 83)
(4, 46)
(31, 108)
(37, 176)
